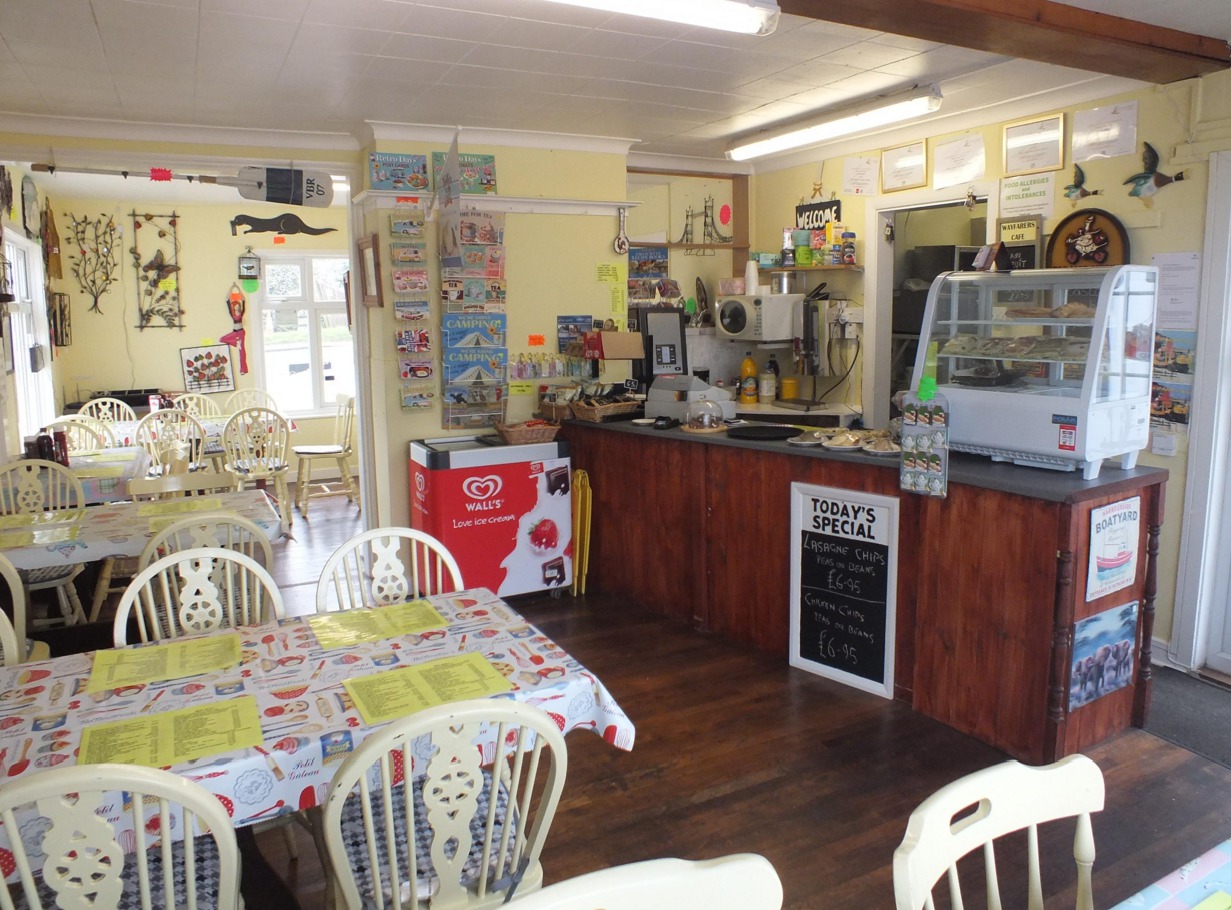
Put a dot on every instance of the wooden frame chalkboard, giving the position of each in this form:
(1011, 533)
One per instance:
(844, 558)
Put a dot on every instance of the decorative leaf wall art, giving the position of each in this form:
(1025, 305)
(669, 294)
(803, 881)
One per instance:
(92, 254)
(155, 254)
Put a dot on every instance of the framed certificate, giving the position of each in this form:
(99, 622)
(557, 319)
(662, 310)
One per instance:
(904, 167)
(1034, 146)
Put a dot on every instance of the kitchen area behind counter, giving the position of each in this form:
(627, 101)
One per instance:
(990, 580)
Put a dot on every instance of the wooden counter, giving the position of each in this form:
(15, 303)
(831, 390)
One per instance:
(990, 580)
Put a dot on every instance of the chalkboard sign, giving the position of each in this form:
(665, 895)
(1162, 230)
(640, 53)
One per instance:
(844, 585)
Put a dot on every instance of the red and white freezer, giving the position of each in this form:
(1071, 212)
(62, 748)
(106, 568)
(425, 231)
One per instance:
(504, 511)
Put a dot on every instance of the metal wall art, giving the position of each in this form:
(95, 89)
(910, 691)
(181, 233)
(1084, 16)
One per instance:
(207, 368)
(155, 254)
(92, 254)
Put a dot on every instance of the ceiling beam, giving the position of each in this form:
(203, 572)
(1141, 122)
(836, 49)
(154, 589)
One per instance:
(1038, 30)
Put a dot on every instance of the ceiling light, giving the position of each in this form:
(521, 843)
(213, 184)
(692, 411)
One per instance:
(749, 17)
(842, 122)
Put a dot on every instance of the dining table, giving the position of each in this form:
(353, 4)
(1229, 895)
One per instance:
(117, 529)
(1202, 882)
(105, 473)
(296, 675)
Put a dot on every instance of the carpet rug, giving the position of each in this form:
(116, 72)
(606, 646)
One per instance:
(1192, 713)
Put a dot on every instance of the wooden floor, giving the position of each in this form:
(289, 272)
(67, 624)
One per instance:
(736, 752)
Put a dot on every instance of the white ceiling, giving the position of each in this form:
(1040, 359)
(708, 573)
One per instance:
(327, 66)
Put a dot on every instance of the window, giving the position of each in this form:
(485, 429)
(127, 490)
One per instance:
(307, 354)
(26, 340)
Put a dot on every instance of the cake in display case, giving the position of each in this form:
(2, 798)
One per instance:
(1044, 367)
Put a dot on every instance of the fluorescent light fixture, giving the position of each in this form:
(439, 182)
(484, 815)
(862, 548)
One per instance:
(842, 122)
(749, 17)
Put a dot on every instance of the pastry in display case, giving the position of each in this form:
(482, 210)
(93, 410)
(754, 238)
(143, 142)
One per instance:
(1044, 367)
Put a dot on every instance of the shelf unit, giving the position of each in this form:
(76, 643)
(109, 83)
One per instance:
(812, 268)
(532, 205)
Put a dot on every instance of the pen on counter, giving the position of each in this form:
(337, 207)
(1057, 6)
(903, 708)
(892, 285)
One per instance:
(149, 704)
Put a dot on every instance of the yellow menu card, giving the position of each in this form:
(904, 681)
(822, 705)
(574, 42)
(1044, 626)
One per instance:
(174, 736)
(196, 504)
(100, 470)
(385, 696)
(1219, 900)
(350, 627)
(94, 457)
(115, 667)
(40, 536)
(27, 519)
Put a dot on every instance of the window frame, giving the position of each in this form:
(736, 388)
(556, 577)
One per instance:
(263, 303)
(29, 313)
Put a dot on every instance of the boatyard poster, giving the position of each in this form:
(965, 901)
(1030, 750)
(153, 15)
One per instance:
(1114, 533)
(1103, 648)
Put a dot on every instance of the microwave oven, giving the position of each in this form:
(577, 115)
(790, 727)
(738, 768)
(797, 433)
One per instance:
(759, 317)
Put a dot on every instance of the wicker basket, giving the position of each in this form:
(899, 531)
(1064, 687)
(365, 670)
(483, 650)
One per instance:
(554, 410)
(523, 435)
(599, 413)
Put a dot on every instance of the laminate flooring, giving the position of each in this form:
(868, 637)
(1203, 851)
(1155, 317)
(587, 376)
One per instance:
(736, 751)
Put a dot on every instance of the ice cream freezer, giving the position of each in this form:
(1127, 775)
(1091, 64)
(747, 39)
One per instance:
(503, 511)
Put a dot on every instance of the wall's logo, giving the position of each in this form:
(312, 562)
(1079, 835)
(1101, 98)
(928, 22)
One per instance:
(420, 482)
(482, 487)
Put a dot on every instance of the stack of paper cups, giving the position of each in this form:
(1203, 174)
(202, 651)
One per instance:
(751, 277)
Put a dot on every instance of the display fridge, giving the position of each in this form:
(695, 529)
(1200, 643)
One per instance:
(503, 511)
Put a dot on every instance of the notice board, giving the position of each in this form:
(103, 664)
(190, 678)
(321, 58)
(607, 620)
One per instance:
(844, 554)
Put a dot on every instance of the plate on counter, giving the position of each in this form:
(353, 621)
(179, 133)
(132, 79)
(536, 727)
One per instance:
(643, 421)
(808, 439)
(844, 444)
(893, 450)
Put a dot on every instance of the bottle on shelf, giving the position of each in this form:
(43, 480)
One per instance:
(772, 367)
(748, 380)
(46, 445)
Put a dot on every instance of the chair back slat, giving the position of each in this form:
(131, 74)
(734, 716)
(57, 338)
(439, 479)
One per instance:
(171, 844)
(970, 814)
(35, 485)
(386, 566)
(108, 410)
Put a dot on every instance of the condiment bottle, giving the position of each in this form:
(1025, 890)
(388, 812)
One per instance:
(59, 442)
(772, 367)
(748, 380)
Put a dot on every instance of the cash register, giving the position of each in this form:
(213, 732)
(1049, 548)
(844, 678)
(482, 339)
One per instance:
(671, 388)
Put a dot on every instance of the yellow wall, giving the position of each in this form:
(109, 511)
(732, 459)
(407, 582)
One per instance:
(551, 263)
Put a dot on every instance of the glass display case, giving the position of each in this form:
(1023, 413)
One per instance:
(1044, 367)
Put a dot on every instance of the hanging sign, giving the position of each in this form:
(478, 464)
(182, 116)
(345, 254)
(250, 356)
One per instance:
(844, 554)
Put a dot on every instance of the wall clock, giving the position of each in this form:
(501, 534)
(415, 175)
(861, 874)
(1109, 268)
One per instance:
(1090, 237)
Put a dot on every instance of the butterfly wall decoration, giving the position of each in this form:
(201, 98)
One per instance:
(155, 258)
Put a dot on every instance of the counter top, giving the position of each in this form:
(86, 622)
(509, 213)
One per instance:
(971, 470)
(838, 414)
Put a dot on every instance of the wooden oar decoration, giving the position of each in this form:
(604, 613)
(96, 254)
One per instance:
(284, 186)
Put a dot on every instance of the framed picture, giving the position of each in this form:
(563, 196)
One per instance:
(904, 167)
(1034, 146)
(369, 271)
(208, 368)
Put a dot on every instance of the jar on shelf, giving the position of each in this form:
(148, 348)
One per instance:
(848, 248)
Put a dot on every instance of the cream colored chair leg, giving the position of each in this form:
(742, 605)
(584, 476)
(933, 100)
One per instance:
(347, 482)
(284, 500)
(70, 604)
(101, 586)
(288, 837)
(316, 818)
(302, 478)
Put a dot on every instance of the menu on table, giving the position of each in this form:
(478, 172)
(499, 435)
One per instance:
(351, 627)
(115, 667)
(171, 507)
(386, 696)
(175, 736)
(99, 470)
(39, 536)
(26, 519)
(94, 457)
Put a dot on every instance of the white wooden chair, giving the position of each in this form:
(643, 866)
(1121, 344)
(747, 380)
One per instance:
(256, 446)
(386, 566)
(108, 410)
(249, 398)
(14, 646)
(174, 439)
(227, 530)
(452, 804)
(84, 433)
(741, 881)
(198, 405)
(195, 591)
(33, 486)
(68, 854)
(338, 451)
(972, 812)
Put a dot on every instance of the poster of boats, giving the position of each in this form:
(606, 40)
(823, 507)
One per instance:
(1115, 531)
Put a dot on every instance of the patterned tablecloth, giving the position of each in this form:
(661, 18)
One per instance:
(308, 722)
(120, 529)
(1188, 885)
(126, 430)
(104, 477)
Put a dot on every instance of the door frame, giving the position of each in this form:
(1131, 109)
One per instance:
(1203, 582)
